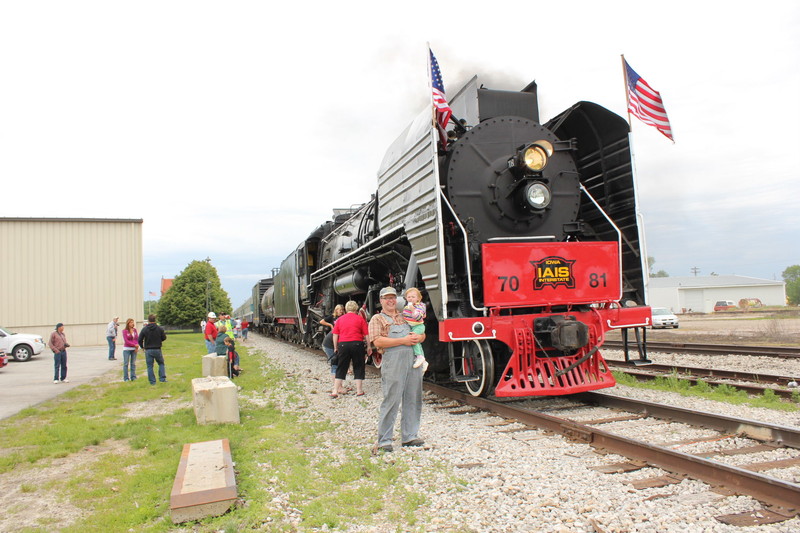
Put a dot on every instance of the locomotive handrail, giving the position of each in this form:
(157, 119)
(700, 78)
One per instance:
(332, 266)
(613, 225)
(643, 324)
(466, 255)
(524, 238)
(343, 227)
(450, 334)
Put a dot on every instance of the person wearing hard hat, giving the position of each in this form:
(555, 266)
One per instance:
(211, 333)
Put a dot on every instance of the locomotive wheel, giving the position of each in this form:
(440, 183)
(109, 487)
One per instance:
(478, 361)
(377, 359)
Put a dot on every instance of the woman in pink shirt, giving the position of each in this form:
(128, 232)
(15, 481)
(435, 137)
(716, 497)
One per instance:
(350, 338)
(129, 350)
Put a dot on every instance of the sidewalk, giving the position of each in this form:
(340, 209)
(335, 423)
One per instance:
(25, 384)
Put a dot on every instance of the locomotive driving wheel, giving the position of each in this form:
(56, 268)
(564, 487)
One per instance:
(478, 362)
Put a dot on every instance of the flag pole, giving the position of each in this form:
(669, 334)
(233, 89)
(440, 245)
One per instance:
(457, 124)
(627, 94)
(430, 86)
(634, 175)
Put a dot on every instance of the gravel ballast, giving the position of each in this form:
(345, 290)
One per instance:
(478, 476)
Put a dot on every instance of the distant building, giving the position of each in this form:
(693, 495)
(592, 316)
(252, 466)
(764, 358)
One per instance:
(166, 283)
(700, 293)
(79, 271)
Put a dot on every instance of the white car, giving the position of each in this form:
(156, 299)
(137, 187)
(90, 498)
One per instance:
(663, 318)
(20, 346)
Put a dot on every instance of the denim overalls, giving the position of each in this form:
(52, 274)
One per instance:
(399, 382)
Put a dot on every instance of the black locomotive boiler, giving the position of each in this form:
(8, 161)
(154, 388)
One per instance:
(522, 235)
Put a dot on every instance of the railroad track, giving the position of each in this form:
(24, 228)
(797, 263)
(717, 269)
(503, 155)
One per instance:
(782, 497)
(713, 349)
(711, 376)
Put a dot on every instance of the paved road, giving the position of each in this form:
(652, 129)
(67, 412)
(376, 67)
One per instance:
(25, 384)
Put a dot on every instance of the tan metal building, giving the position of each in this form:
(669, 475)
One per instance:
(79, 271)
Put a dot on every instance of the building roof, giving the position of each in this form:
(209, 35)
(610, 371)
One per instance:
(166, 283)
(710, 281)
(43, 219)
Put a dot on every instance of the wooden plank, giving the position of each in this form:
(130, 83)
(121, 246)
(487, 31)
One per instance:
(205, 484)
(769, 465)
(609, 420)
(752, 518)
(619, 468)
(655, 482)
(756, 448)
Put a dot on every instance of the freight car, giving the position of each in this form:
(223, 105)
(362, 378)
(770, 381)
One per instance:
(523, 236)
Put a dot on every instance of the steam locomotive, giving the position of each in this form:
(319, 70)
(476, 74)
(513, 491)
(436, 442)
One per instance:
(522, 236)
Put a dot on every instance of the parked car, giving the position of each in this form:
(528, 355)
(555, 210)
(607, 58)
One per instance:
(21, 346)
(3, 359)
(724, 305)
(664, 318)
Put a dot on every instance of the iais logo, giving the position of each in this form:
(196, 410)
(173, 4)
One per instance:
(553, 271)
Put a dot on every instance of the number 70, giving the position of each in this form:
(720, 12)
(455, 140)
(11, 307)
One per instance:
(511, 281)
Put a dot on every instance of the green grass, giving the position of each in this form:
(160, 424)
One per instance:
(282, 465)
(720, 393)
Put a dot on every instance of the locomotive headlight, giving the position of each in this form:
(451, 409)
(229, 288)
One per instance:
(534, 156)
(538, 195)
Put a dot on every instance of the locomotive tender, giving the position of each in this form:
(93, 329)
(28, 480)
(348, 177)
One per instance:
(523, 237)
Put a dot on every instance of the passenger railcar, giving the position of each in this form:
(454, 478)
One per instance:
(522, 235)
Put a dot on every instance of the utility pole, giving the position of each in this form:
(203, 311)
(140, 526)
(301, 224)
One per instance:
(208, 286)
(695, 270)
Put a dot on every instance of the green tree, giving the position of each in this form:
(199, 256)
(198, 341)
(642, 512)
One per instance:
(184, 304)
(660, 274)
(150, 306)
(792, 278)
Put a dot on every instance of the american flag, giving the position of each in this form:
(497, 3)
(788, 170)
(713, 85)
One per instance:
(440, 104)
(645, 103)
(152, 293)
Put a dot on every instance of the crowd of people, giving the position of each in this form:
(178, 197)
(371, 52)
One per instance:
(220, 334)
(150, 340)
(395, 335)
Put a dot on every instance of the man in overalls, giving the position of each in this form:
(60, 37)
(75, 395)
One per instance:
(400, 382)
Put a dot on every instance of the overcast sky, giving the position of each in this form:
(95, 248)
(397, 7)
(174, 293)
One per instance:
(234, 128)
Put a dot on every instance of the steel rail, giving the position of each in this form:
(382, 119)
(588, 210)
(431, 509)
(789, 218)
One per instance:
(714, 349)
(707, 372)
(761, 487)
(652, 371)
(784, 435)
(750, 389)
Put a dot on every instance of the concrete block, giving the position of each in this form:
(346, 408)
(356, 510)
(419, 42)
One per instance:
(205, 484)
(215, 400)
(215, 365)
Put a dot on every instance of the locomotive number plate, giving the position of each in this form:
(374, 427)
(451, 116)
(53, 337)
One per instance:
(532, 274)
